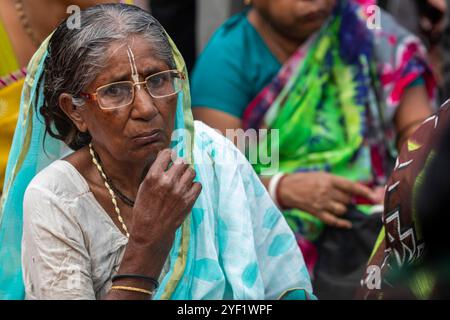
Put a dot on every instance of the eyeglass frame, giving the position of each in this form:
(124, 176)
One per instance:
(94, 96)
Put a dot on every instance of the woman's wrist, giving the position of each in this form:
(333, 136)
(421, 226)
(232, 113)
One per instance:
(143, 260)
(280, 199)
(275, 190)
(293, 191)
(134, 276)
(147, 240)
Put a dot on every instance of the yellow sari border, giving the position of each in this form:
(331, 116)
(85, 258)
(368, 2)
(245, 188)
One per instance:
(180, 264)
(27, 117)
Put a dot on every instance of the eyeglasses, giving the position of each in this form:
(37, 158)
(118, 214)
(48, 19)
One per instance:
(121, 94)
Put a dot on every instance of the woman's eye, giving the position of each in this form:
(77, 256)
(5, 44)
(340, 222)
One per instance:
(157, 81)
(116, 90)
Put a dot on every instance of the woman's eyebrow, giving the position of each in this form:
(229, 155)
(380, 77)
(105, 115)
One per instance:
(127, 77)
(118, 77)
(152, 70)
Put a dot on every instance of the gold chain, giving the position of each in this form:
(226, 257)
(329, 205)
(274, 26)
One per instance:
(26, 23)
(110, 190)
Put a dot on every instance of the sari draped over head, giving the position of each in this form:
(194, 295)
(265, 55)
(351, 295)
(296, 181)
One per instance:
(334, 100)
(11, 83)
(235, 244)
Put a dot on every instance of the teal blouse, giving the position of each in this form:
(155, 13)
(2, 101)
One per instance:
(234, 67)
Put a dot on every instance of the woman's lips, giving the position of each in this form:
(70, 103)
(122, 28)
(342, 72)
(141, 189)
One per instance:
(313, 17)
(148, 137)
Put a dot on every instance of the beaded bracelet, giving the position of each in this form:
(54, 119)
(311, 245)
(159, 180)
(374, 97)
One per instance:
(136, 276)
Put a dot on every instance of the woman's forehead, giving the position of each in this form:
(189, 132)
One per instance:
(124, 59)
(138, 52)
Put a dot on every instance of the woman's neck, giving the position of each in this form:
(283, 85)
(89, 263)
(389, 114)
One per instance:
(281, 47)
(126, 176)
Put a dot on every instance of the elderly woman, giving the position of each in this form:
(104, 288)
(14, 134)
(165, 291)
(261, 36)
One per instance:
(117, 218)
(340, 90)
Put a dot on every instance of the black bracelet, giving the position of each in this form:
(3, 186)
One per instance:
(136, 276)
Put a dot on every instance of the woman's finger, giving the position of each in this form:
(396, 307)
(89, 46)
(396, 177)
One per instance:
(188, 177)
(341, 197)
(336, 208)
(354, 188)
(193, 193)
(178, 169)
(161, 162)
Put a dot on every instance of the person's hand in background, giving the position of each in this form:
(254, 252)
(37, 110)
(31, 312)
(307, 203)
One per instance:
(324, 195)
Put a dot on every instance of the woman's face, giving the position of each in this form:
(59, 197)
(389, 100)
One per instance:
(295, 19)
(139, 131)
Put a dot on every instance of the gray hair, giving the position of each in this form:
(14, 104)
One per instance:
(77, 55)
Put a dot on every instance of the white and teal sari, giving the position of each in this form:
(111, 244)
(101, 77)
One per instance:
(235, 244)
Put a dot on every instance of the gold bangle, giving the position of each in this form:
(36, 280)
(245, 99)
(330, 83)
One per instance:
(133, 289)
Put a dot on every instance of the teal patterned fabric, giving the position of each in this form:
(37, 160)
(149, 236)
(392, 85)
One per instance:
(241, 246)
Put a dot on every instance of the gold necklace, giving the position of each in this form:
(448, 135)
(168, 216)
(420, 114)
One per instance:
(110, 190)
(26, 23)
(129, 202)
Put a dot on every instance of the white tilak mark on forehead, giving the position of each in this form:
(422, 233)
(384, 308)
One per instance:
(134, 71)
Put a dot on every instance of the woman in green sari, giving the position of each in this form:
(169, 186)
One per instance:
(338, 93)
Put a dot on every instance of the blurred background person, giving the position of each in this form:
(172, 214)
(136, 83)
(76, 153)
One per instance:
(341, 101)
(412, 251)
(426, 19)
(433, 209)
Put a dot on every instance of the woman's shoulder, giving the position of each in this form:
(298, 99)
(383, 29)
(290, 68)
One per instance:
(61, 179)
(233, 31)
(235, 65)
(235, 39)
(392, 31)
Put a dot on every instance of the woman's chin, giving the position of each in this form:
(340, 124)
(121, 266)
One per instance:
(307, 29)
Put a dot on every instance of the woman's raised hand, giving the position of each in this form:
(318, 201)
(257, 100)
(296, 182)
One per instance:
(165, 198)
(323, 195)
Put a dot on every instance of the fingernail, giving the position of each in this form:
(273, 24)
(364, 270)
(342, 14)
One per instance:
(179, 161)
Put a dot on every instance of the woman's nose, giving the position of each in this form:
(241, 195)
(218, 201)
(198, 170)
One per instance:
(144, 106)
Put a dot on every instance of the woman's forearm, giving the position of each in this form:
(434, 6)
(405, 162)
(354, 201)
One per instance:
(140, 259)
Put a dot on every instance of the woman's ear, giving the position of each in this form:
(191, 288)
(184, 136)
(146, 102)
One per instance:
(74, 112)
